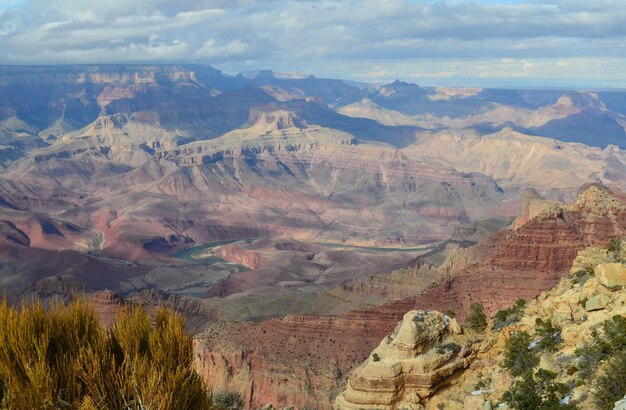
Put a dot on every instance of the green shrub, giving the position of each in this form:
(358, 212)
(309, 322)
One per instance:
(482, 383)
(450, 313)
(549, 333)
(611, 384)
(419, 316)
(63, 358)
(615, 245)
(477, 320)
(376, 357)
(228, 400)
(537, 392)
(506, 317)
(604, 344)
(449, 347)
(606, 351)
(518, 357)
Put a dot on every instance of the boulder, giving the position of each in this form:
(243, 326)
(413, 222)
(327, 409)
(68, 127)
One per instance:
(597, 302)
(611, 275)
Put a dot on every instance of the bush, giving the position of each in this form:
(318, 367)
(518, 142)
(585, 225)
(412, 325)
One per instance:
(604, 344)
(537, 392)
(477, 320)
(506, 317)
(611, 384)
(481, 382)
(376, 357)
(450, 313)
(63, 357)
(518, 357)
(607, 351)
(615, 245)
(228, 400)
(549, 333)
(449, 347)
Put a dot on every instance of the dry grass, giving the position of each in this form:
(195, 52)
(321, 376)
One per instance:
(63, 358)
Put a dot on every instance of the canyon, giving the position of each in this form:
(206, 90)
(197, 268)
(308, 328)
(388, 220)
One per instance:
(312, 355)
(295, 221)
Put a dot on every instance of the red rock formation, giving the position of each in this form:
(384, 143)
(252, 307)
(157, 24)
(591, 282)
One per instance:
(105, 303)
(235, 253)
(302, 360)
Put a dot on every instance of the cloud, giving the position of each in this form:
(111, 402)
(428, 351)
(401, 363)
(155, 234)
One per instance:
(328, 37)
(211, 50)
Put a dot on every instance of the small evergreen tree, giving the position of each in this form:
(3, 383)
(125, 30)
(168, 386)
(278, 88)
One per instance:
(518, 357)
(508, 316)
(549, 333)
(537, 392)
(477, 320)
(611, 384)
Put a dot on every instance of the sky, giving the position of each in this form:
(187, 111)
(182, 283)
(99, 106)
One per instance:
(524, 43)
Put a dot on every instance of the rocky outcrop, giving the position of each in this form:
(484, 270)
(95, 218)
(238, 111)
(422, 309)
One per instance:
(577, 306)
(407, 366)
(105, 304)
(236, 253)
(533, 205)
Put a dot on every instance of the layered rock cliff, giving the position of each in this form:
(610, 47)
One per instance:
(512, 264)
(576, 307)
(408, 365)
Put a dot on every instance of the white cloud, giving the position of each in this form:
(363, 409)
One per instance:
(210, 49)
(434, 39)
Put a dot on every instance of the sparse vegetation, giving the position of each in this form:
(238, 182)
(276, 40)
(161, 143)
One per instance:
(581, 276)
(604, 344)
(506, 317)
(228, 400)
(449, 347)
(376, 357)
(549, 333)
(419, 316)
(477, 321)
(604, 361)
(450, 313)
(538, 391)
(482, 382)
(63, 358)
(518, 356)
(611, 384)
(615, 245)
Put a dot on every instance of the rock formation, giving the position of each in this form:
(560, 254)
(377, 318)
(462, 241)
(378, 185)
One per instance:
(407, 366)
(577, 305)
(512, 264)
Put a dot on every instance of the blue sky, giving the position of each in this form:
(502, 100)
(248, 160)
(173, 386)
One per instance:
(475, 43)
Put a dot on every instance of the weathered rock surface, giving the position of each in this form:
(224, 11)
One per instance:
(611, 275)
(562, 305)
(105, 304)
(406, 367)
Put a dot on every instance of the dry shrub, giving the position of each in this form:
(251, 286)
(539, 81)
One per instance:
(63, 358)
